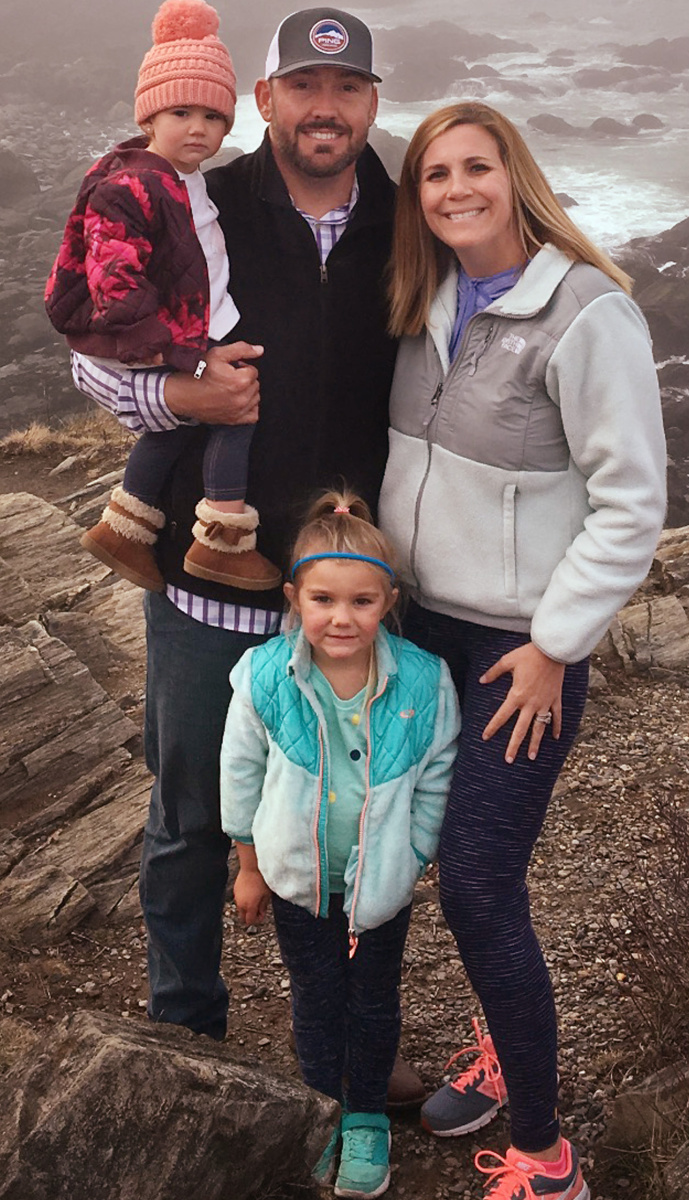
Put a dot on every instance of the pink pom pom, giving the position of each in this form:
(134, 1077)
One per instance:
(177, 19)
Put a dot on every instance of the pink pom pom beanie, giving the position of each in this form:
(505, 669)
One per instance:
(187, 64)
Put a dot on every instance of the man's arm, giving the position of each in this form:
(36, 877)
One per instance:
(158, 400)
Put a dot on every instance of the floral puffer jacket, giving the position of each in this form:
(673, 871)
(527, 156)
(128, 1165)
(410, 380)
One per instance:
(130, 280)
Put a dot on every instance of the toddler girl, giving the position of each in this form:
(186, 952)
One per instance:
(142, 278)
(335, 765)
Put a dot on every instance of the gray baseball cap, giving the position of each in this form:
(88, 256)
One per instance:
(321, 37)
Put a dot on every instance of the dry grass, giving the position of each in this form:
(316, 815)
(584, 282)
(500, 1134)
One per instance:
(83, 432)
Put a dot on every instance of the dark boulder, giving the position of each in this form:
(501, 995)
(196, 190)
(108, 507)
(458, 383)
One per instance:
(121, 1110)
(671, 54)
(17, 181)
(648, 121)
(548, 123)
(593, 77)
(609, 127)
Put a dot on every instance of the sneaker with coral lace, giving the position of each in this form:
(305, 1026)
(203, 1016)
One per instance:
(365, 1161)
(519, 1177)
(473, 1099)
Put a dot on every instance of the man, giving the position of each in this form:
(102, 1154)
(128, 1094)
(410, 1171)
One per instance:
(307, 220)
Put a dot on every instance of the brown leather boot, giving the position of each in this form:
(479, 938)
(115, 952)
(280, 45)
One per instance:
(124, 539)
(405, 1089)
(224, 550)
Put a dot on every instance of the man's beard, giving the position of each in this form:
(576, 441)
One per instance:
(322, 164)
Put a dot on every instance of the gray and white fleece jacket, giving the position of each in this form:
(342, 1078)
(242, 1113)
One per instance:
(525, 487)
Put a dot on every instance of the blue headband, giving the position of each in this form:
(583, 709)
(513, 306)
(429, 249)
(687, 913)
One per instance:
(376, 562)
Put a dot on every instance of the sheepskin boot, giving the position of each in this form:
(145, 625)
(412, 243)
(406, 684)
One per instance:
(124, 539)
(224, 550)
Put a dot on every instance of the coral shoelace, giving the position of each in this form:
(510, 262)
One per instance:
(487, 1061)
(509, 1177)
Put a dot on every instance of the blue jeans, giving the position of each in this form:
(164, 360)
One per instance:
(345, 1011)
(225, 462)
(494, 815)
(184, 861)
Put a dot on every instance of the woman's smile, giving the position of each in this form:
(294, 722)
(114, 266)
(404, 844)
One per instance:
(466, 199)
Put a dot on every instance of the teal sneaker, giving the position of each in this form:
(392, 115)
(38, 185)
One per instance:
(365, 1161)
(325, 1167)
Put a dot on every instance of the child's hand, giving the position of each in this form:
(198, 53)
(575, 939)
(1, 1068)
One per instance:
(251, 895)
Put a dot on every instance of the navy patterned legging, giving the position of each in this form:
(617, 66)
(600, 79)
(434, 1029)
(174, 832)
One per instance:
(494, 815)
(345, 1011)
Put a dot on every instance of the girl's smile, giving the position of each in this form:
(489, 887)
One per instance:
(341, 604)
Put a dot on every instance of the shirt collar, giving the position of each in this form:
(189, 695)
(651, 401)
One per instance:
(336, 216)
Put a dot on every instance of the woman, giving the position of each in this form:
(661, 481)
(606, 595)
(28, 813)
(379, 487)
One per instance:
(525, 493)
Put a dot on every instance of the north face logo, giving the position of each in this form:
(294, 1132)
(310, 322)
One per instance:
(513, 343)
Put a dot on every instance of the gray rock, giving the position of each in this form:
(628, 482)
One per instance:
(17, 181)
(652, 634)
(390, 149)
(55, 720)
(592, 77)
(646, 1114)
(675, 1174)
(648, 121)
(547, 123)
(673, 54)
(121, 113)
(65, 465)
(62, 570)
(120, 1110)
(609, 127)
(32, 330)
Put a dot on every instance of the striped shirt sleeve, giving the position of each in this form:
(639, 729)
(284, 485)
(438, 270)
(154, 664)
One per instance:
(135, 398)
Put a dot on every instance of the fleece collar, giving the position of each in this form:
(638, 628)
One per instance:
(528, 297)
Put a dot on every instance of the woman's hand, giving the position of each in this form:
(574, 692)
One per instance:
(536, 688)
(251, 895)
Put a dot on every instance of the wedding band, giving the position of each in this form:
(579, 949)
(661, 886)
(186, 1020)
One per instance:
(543, 718)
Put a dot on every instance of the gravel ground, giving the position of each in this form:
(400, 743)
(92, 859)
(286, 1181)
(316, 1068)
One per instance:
(632, 753)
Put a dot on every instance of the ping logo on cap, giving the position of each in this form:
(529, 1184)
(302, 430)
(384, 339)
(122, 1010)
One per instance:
(329, 37)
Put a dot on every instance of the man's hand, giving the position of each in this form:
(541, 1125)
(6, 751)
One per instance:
(225, 394)
(251, 895)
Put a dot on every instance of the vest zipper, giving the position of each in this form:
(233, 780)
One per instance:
(324, 272)
(353, 938)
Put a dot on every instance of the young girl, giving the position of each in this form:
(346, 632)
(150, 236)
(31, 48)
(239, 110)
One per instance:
(337, 754)
(142, 278)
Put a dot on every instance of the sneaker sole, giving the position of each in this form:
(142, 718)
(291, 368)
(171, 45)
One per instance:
(237, 581)
(357, 1194)
(460, 1130)
(118, 567)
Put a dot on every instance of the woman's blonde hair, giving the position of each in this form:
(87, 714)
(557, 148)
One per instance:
(420, 261)
(341, 522)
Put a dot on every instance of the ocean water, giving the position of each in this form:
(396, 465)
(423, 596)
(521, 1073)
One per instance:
(624, 187)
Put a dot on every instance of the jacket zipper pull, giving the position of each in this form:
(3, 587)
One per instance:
(324, 272)
(353, 943)
(434, 405)
(479, 353)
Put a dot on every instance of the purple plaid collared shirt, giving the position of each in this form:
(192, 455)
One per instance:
(137, 399)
